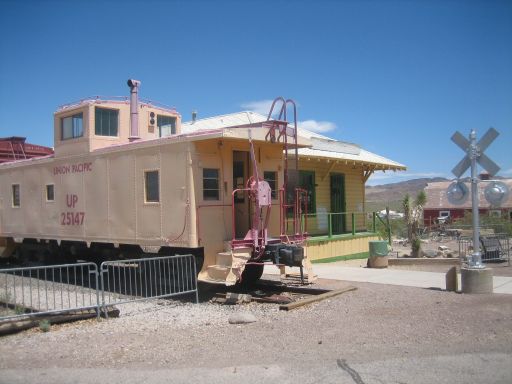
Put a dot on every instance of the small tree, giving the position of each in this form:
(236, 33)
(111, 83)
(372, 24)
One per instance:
(413, 212)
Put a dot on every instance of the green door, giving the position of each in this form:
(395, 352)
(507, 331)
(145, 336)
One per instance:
(338, 203)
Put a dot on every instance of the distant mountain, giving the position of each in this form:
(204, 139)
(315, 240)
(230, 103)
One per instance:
(391, 195)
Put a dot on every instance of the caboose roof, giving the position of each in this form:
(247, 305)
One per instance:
(98, 100)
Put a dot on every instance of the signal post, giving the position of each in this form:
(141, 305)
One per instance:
(475, 278)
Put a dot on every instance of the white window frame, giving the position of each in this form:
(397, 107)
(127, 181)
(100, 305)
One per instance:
(72, 117)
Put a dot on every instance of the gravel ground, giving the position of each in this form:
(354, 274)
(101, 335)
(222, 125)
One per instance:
(397, 331)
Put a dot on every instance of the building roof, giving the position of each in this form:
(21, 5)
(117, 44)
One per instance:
(438, 199)
(322, 146)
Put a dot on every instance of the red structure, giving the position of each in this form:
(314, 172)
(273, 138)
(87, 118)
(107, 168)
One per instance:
(15, 148)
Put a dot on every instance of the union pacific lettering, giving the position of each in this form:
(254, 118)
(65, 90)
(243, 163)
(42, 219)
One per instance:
(72, 168)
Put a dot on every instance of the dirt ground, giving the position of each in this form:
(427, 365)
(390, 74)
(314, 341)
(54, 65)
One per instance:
(375, 334)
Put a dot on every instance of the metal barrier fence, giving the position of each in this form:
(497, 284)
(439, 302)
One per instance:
(494, 247)
(125, 281)
(34, 291)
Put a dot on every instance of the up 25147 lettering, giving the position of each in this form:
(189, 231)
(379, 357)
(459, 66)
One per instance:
(72, 218)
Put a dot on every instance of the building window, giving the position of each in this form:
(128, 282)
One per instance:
(152, 188)
(210, 184)
(166, 125)
(72, 126)
(15, 195)
(271, 178)
(106, 122)
(50, 195)
(307, 182)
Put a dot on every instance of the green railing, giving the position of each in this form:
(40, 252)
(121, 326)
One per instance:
(341, 223)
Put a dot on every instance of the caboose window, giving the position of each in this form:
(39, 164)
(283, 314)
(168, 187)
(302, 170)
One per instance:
(15, 195)
(50, 193)
(72, 126)
(166, 125)
(106, 121)
(210, 184)
(271, 179)
(152, 187)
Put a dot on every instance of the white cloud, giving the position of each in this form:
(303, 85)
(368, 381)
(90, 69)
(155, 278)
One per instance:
(261, 106)
(317, 126)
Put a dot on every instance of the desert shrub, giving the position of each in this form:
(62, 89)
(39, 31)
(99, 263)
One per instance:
(398, 228)
(44, 325)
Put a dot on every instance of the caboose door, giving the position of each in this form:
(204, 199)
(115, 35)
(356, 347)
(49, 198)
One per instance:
(240, 176)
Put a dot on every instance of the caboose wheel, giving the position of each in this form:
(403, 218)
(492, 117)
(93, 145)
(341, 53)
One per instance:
(252, 273)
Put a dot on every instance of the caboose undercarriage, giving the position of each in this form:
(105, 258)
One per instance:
(66, 251)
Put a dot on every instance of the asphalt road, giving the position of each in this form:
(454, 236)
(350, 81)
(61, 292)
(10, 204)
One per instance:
(452, 369)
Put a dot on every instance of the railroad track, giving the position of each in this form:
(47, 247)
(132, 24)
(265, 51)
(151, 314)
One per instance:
(286, 296)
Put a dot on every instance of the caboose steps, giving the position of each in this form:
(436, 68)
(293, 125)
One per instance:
(228, 267)
(219, 274)
(225, 258)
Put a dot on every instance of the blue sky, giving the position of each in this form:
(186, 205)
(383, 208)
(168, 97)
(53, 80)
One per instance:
(396, 77)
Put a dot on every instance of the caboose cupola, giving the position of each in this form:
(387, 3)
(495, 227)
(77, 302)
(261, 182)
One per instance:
(98, 122)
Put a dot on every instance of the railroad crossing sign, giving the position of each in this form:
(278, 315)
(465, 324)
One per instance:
(457, 191)
(476, 151)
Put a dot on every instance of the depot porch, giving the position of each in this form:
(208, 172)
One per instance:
(338, 225)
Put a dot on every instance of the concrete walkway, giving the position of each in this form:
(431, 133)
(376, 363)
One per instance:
(338, 271)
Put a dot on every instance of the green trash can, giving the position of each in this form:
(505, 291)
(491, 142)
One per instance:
(378, 254)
